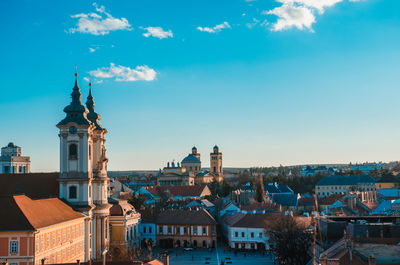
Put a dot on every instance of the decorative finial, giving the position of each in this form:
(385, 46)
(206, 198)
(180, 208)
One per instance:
(76, 71)
(90, 82)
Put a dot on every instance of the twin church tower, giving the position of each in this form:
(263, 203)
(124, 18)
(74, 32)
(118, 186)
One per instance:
(83, 178)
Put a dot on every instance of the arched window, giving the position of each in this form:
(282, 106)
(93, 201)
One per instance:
(72, 192)
(73, 152)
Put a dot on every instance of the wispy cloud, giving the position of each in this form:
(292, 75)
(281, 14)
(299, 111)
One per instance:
(299, 13)
(157, 32)
(216, 28)
(123, 73)
(94, 81)
(99, 22)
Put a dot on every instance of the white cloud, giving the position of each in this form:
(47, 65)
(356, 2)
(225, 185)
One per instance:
(292, 16)
(100, 23)
(320, 5)
(216, 28)
(157, 32)
(299, 13)
(94, 81)
(93, 49)
(124, 73)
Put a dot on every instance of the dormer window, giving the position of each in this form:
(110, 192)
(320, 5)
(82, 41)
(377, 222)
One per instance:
(73, 152)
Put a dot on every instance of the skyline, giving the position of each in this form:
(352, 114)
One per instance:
(270, 82)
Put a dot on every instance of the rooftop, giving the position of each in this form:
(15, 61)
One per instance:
(345, 180)
(200, 216)
(22, 213)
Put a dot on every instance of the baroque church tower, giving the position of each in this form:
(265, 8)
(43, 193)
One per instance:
(83, 169)
(216, 162)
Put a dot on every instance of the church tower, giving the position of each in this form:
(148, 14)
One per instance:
(216, 162)
(83, 169)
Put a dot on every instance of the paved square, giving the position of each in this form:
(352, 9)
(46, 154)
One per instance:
(216, 257)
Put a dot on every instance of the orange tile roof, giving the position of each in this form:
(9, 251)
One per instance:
(22, 213)
(177, 190)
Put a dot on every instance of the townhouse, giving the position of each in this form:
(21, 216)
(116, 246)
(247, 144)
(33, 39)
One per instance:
(36, 231)
(184, 228)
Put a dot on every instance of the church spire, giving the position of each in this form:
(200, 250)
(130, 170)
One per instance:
(76, 111)
(92, 115)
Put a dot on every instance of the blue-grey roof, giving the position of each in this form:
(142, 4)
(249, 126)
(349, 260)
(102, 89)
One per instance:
(345, 180)
(284, 199)
(277, 188)
(191, 159)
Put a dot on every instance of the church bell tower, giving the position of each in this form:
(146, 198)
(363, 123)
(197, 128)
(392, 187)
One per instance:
(83, 177)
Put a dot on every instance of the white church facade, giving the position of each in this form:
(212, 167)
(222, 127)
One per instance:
(83, 180)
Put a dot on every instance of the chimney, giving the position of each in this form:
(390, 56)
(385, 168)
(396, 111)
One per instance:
(371, 260)
(78, 262)
(166, 260)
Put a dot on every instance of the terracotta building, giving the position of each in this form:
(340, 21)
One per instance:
(183, 228)
(36, 231)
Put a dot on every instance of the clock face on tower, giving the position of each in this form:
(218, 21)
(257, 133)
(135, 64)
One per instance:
(72, 129)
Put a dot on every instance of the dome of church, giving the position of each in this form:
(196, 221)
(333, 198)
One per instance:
(191, 159)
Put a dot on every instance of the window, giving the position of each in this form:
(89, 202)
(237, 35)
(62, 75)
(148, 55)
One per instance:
(54, 238)
(252, 234)
(260, 235)
(144, 229)
(6, 169)
(63, 235)
(47, 241)
(14, 247)
(185, 230)
(242, 234)
(149, 229)
(58, 236)
(236, 234)
(73, 152)
(169, 230)
(204, 231)
(72, 192)
(160, 229)
(212, 230)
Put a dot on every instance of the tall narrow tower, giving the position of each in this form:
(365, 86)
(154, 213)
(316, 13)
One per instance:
(83, 169)
(216, 162)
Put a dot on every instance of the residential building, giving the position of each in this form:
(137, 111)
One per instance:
(11, 160)
(340, 184)
(183, 228)
(124, 225)
(248, 231)
(388, 182)
(147, 227)
(366, 167)
(44, 230)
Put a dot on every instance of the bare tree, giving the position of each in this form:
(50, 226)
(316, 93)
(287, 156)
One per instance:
(289, 242)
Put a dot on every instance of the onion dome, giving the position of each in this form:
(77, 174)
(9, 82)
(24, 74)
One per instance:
(76, 111)
(92, 115)
(191, 159)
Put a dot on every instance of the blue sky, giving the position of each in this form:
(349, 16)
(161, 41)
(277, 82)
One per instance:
(270, 81)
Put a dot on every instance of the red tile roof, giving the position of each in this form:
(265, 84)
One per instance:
(330, 199)
(258, 220)
(200, 217)
(22, 213)
(195, 190)
(34, 185)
